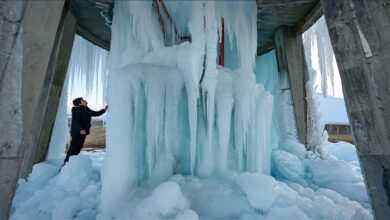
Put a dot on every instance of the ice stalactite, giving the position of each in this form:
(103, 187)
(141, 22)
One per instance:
(88, 66)
(208, 86)
(318, 46)
(316, 39)
(224, 107)
(243, 28)
(193, 73)
(60, 133)
(173, 109)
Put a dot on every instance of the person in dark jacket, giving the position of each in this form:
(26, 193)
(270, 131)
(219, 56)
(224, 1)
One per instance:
(81, 123)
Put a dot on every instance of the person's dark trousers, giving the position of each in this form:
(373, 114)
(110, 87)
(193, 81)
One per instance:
(76, 144)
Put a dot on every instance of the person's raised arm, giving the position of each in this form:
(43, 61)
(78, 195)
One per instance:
(98, 113)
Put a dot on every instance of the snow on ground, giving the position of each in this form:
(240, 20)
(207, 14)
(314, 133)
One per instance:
(330, 188)
(50, 194)
(333, 109)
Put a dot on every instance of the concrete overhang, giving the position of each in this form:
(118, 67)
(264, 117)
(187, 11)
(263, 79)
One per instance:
(272, 14)
(94, 19)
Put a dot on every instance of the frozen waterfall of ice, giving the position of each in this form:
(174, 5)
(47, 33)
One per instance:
(173, 109)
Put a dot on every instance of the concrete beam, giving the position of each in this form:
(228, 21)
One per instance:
(41, 23)
(360, 36)
(291, 61)
(58, 66)
(265, 49)
(308, 21)
(92, 38)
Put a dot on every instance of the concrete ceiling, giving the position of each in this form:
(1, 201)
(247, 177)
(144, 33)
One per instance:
(272, 14)
(94, 18)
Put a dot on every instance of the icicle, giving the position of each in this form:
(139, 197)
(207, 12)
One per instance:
(317, 40)
(208, 85)
(192, 65)
(60, 133)
(224, 108)
(244, 28)
(87, 68)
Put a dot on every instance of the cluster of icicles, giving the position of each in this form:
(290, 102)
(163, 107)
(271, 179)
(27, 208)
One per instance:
(88, 68)
(173, 109)
(317, 45)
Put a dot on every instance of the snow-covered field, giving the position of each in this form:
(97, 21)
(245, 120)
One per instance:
(302, 188)
(333, 109)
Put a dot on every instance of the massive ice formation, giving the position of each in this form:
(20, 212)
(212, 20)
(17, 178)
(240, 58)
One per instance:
(173, 109)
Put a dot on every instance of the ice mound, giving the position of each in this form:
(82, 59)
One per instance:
(343, 151)
(48, 193)
(338, 170)
(254, 188)
(166, 201)
(289, 166)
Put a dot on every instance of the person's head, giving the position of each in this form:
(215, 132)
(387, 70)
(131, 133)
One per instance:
(80, 102)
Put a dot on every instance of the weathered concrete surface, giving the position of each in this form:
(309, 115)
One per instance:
(272, 14)
(28, 35)
(58, 66)
(290, 58)
(360, 36)
(41, 32)
(11, 49)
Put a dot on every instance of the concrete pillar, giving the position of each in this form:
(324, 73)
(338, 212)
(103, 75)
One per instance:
(291, 61)
(29, 35)
(41, 40)
(360, 34)
(58, 67)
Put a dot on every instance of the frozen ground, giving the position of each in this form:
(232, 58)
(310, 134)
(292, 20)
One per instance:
(330, 188)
